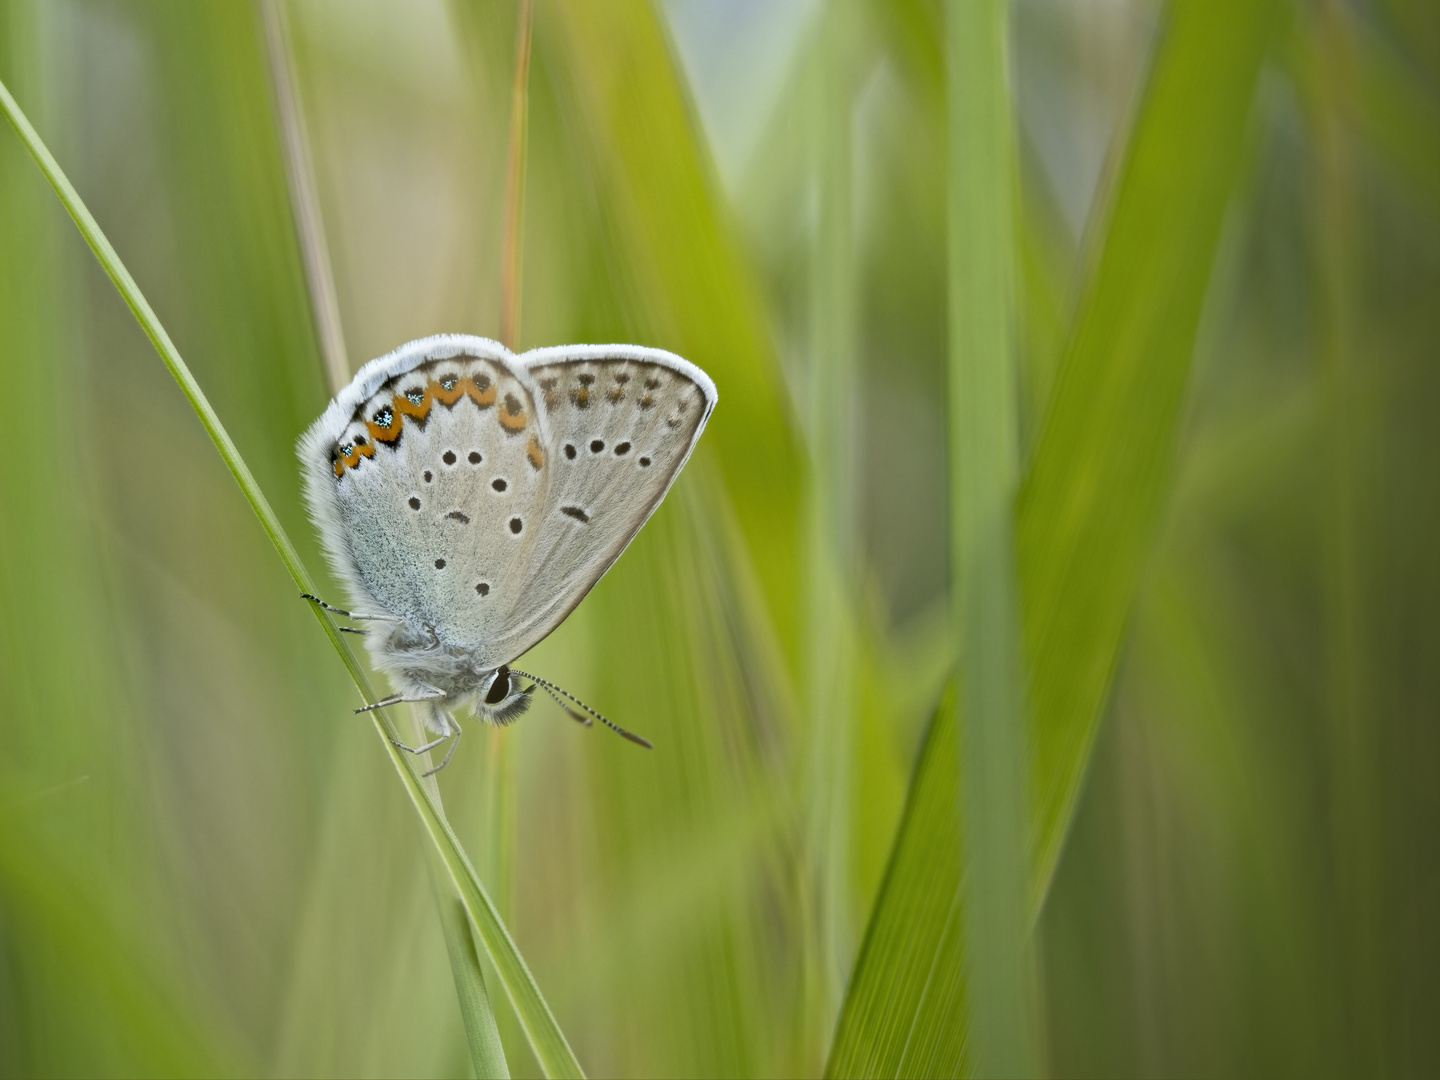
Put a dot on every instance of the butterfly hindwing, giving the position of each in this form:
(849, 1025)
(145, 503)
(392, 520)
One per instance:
(436, 470)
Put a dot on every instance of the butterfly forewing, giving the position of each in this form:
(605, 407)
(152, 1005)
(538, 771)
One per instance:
(619, 423)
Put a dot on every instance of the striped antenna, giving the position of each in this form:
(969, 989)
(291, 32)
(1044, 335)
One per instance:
(556, 693)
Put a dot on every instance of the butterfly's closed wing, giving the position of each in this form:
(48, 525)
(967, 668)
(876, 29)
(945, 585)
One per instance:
(619, 422)
(479, 496)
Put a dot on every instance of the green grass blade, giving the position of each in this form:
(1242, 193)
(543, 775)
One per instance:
(304, 198)
(831, 681)
(984, 472)
(904, 1013)
(486, 1052)
(1085, 519)
(539, 1023)
(695, 297)
(1100, 472)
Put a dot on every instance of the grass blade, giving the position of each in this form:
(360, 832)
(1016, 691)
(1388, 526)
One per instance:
(1085, 518)
(830, 521)
(304, 199)
(694, 297)
(539, 1024)
(1100, 470)
(486, 1052)
(903, 1015)
(984, 460)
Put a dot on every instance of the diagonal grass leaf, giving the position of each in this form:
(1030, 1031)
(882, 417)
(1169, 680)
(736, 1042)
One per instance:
(539, 1023)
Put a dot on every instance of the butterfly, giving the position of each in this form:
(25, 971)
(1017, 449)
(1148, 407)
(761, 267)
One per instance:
(468, 498)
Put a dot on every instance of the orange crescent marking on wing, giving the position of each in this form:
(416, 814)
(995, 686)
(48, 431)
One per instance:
(534, 454)
(386, 435)
(446, 397)
(404, 405)
(352, 459)
(512, 415)
(484, 398)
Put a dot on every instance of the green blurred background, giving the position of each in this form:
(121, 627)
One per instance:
(206, 866)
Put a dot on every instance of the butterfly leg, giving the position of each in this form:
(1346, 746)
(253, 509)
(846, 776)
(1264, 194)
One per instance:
(422, 749)
(454, 742)
(348, 614)
(426, 693)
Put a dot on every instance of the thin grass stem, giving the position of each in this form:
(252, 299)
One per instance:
(304, 198)
(513, 250)
(830, 527)
(551, 1048)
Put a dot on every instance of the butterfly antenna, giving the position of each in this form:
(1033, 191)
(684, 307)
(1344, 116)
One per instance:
(557, 692)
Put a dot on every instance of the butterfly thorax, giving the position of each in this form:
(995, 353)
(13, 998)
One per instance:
(420, 662)
(415, 655)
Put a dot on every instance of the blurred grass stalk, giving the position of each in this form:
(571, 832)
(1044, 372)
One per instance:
(304, 199)
(984, 467)
(500, 793)
(1340, 269)
(830, 522)
(487, 1055)
(551, 1048)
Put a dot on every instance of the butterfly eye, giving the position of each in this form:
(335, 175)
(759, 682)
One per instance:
(499, 687)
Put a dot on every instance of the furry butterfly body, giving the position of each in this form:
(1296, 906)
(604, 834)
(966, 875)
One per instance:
(468, 498)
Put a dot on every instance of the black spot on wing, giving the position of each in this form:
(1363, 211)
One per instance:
(575, 512)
